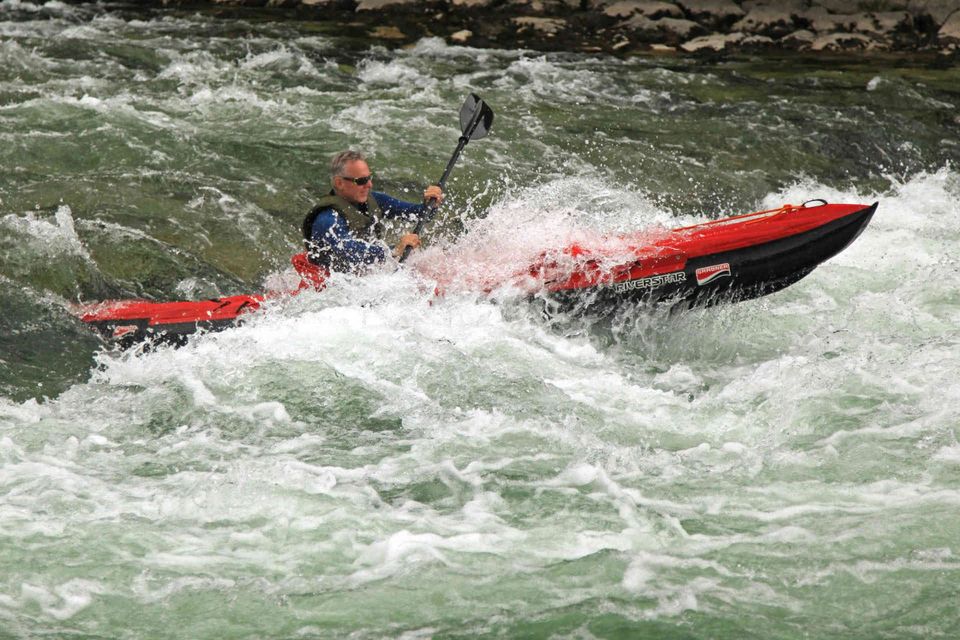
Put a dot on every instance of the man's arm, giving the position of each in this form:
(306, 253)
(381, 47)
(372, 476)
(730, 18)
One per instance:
(330, 230)
(393, 208)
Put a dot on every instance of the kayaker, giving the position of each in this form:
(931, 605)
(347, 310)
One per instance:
(344, 230)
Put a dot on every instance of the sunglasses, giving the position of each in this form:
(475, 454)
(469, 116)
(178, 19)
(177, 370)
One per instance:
(359, 181)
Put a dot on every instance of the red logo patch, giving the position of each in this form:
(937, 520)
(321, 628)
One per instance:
(709, 274)
(123, 329)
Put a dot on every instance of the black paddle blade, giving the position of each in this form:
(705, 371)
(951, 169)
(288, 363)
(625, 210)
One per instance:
(476, 118)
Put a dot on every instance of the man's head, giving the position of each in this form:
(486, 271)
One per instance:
(351, 176)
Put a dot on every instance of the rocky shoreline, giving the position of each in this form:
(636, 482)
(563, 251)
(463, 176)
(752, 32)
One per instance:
(700, 27)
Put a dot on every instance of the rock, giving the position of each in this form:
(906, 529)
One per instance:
(711, 11)
(799, 39)
(842, 42)
(949, 33)
(713, 42)
(640, 24)
(387, 33)
(835, 6)
(670, 29)
(756, 42)
(545, 6)
(546, 26)
(376, 5)
(683, 29)
(822, 21)
(939, 10)
(789, 6)
(657, 26)
(766, 20)
(893, 21)
(863, 23)
(646, 8)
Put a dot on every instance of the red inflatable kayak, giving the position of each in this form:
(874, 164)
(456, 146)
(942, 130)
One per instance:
(127, 322)
(725, 260)
(728, 260)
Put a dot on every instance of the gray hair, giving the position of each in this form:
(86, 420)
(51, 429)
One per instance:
(342, 159)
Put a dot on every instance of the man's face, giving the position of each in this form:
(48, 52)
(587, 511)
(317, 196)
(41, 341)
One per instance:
(347, 188)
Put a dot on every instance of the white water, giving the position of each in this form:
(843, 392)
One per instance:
(376, 462)
(345, 445)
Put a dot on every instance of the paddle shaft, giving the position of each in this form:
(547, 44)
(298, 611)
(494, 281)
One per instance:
(464, 139)
(442, 183)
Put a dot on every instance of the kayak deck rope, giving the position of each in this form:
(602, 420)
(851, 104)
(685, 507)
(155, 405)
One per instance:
(757, 215)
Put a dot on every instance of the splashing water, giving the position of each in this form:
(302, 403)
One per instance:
(372, 461)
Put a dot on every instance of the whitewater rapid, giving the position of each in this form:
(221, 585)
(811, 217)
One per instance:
(373, 449)
(376, 461)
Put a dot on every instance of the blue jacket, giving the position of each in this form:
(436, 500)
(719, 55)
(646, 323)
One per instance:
(330, 229)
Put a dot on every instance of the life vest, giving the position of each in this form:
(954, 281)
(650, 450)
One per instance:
(366, 226)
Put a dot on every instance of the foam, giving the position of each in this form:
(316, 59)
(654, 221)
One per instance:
(65, 600)
(395, 72)
(370, 438)
(56, 238)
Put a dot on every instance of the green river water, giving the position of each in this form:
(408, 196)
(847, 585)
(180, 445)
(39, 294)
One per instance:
(369, 462)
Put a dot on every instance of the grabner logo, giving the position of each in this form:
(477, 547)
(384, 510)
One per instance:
(650, 283)
(711, 273)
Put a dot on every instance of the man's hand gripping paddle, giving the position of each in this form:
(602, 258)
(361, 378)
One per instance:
(476, 118)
